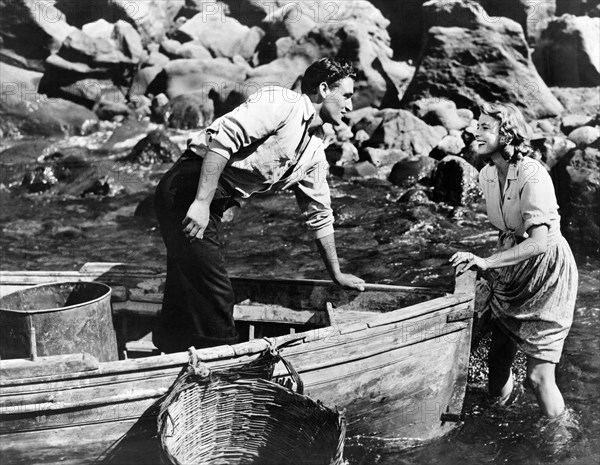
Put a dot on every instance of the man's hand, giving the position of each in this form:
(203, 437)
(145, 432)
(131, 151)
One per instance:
(349, 281)
(196, 220)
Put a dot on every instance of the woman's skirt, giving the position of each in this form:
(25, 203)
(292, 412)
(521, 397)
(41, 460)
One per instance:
(534, 301)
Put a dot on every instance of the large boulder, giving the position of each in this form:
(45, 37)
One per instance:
(456, 182)
(190, 111)
(44, 117)
(222, 35)
(404, 131)
(31, 31)
(532, 16)
(156, 147)
(284, 72)
(218, 79)
(151, 18)
(408, 172)
(18, 84)
(577, 183)
(568, 53)
(470, 60)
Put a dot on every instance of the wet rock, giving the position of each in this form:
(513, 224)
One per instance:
(402, 130)
(383, 157)
(470, 60)
(39, 180)
(532, 17)
(584, 100)
(344, 153)
(67, 232)
(30, 32)
(170, 48)
(44, 117)
(456, 182)
(442, 112)
(125, 136)
(101, 187)
(156, 147)
(98, 28)
(449, 145)
(194, 50)
(218, 78)
(19, 85)
(572, 122)
(568, 52)
(546, 126)
(285, 72)
(151, 18)
(584, 135)
(129, 41)
(190, 111)
(360, 169)
(410, 171)
(222, 35)
(414, 196)
(555, 148)
(107, 110)
(577, 183)
(369, 125)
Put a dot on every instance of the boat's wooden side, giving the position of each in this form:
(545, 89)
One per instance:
(397, 374)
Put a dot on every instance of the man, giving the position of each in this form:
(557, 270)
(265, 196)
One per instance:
(264, 144)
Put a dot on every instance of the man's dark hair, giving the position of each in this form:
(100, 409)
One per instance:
(327, 70)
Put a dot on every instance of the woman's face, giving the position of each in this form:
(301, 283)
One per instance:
(487, 135)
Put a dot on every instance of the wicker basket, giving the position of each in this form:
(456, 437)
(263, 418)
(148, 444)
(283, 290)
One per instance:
(240, 416)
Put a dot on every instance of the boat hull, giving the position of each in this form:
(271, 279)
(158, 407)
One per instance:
(399, 375)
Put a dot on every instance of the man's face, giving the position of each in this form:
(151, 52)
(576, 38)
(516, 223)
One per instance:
(338, 101)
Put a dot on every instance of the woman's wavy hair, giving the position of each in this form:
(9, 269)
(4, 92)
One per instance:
(327, 70)
(515, 133)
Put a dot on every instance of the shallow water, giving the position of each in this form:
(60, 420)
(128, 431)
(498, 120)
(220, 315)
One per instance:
(378, 238)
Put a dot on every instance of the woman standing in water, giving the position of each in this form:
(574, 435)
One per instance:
(533, 275)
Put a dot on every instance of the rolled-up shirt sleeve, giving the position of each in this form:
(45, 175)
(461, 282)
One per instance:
(262, 114)
(314, 199)
(538, 201)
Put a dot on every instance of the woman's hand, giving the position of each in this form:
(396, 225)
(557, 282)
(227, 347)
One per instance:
(196, 220)
(464, 261)
(349, 281)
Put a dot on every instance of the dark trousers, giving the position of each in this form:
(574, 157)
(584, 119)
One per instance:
(198, 299)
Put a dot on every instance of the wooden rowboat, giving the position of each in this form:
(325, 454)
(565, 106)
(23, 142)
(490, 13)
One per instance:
(394, 357)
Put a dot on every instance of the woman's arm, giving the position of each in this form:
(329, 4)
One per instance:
(535, 244)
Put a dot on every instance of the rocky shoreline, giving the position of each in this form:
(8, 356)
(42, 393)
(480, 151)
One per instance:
(121, 83)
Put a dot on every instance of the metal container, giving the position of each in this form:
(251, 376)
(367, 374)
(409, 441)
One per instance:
(56, 319)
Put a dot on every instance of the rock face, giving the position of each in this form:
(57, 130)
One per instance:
(44, 117)
(456, 182)
(221, 35)
(568, 54)
(151, 18)
(156, 147)
(577, 183)
(408, 172)
(43, 26)
(218, 79)
(190, 111)
(402, 130)
(470, 60)
(533, 17)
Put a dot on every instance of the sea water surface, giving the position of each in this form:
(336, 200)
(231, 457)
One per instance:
(379, 237)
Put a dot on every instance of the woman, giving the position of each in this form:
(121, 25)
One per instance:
(533, 277)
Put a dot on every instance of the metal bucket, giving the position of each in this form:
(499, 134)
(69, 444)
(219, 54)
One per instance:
(56, 319)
